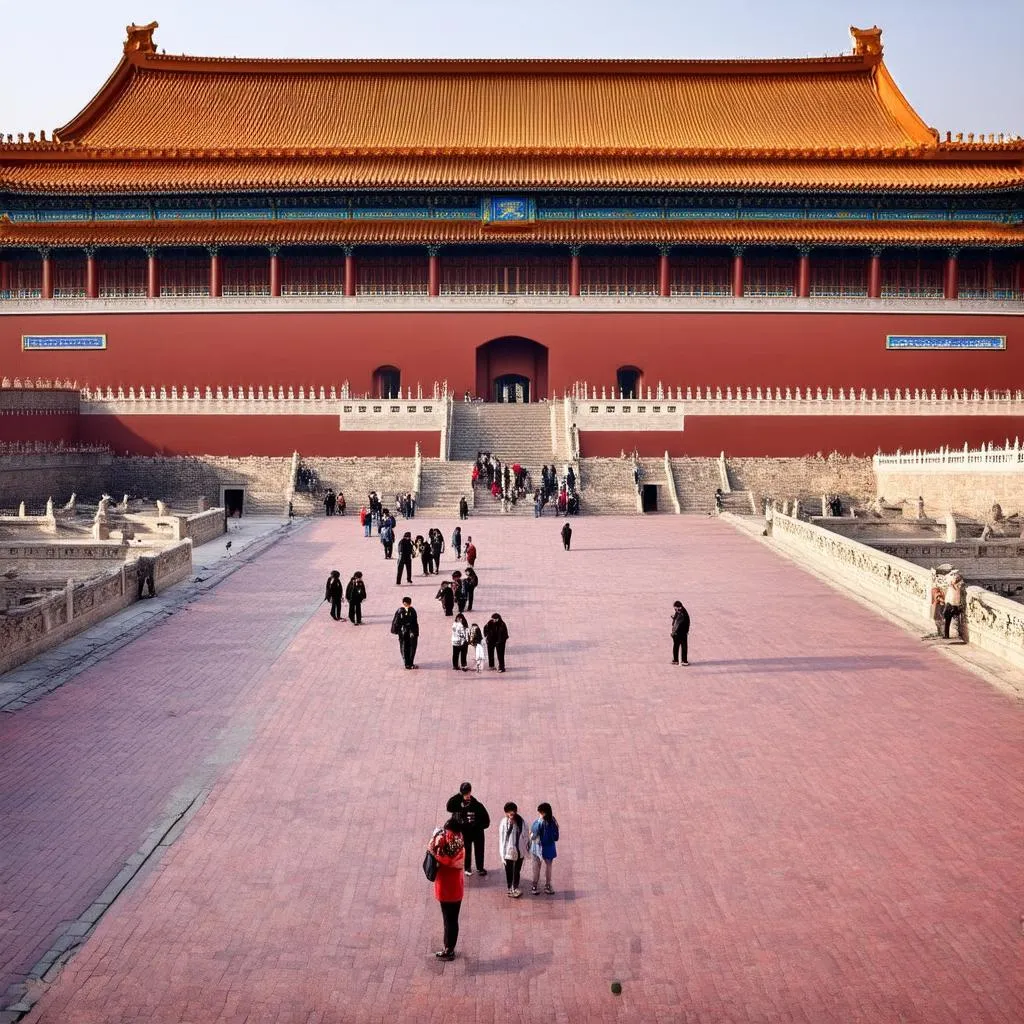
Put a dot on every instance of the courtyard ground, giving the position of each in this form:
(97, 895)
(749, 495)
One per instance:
(819, 820)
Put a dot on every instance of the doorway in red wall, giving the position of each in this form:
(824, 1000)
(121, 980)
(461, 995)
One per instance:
(511, 367)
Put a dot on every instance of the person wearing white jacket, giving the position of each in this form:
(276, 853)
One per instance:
(512, 833)
(460, 642)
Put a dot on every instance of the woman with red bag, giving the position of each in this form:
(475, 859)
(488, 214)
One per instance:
(449, 849)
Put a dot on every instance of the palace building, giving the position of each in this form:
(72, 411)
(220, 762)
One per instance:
(516, 228)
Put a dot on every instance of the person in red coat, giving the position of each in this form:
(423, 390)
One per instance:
(448, 847)
(470, 551)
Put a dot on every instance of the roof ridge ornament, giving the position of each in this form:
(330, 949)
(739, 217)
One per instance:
(140, 38)
(867, 42)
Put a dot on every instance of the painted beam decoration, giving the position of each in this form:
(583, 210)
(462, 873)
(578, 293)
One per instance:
(508, 210)
(957, 342)
(48, 342)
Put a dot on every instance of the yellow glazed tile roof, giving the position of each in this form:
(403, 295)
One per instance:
(502, 171)
(245, 233)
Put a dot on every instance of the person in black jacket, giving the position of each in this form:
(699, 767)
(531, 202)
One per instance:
(334, 593)
(405, 625)
(404, 558)
(355, 594)
(496, 635)
(470, 582)
(446, 595)
(566, 536)
(473, 816)
(680, 632)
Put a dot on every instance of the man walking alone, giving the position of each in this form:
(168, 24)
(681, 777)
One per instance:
(405, 625)
(680, 633)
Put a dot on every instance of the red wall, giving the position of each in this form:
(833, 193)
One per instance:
(249, 435)
(693, 348)
(804, 435)
(43, 426)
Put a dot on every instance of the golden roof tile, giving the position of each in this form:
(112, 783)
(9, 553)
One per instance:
(505, 171)
(740, 232)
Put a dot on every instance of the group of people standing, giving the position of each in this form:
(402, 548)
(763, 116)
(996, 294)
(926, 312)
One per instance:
(563, 494)
(334, 503)
(459, 843)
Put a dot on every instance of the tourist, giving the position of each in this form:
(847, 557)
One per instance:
(459, 590)
(405, 625)
(719, 500)
(680, 633)
(496, 635)
(510, 837)
(410, 502)
(538, 504)
(954, 599)
(334, 593)
(470, 581)
(476, 638)
(329, 500)
(405, 550)
(355, 594)
(436, 547)
(387, 538)
(446, 596)
(460, 643)
(566, 536)
(470, 555)
(473, 817)
(543, 837)
(422, 548)
(457, 542)
(341, 503)
(448, 848)
(365, 521)
(464, 507)
(937, 597)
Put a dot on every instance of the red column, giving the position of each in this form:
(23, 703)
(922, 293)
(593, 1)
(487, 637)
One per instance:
(350, 273)
(803, 273)
(275, 273)
(875, 275)
(152, 274)
(92, 277)
(215, 287)
(664, 275)
(5, 278)
(737, 271)
(990, 277)
(951, 288)
(1020, 279)
(46, 290)
(433, 272)
(574, 270)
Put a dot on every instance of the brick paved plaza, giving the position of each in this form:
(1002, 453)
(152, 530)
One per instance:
(819, 820)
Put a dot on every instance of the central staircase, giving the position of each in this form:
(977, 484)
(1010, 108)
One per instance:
(512, 433)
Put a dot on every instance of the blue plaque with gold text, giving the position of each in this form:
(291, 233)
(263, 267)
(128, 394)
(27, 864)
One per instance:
(48, 342)
(950, 342)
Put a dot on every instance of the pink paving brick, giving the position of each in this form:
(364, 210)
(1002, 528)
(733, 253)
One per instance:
(818, 821)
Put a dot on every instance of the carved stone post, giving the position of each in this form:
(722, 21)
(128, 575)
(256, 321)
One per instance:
(737, 271)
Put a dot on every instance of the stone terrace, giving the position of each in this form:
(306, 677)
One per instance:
(814, 824)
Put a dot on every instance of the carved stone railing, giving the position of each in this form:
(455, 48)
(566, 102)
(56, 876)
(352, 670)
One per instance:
(996, 624)
(987, 459)
(445, 447)
(863, 569)
(670, 483)
(354, 413)
(595, 408)
(587, 303)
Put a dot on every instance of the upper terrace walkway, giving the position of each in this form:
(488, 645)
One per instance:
(819, 821)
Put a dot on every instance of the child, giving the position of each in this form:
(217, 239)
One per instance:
(543, 836)
(510, 836)
(476, 638)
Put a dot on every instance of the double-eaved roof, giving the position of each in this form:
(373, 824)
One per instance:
(188, 124)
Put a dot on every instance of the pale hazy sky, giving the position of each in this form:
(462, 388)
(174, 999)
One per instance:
(958, 61)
